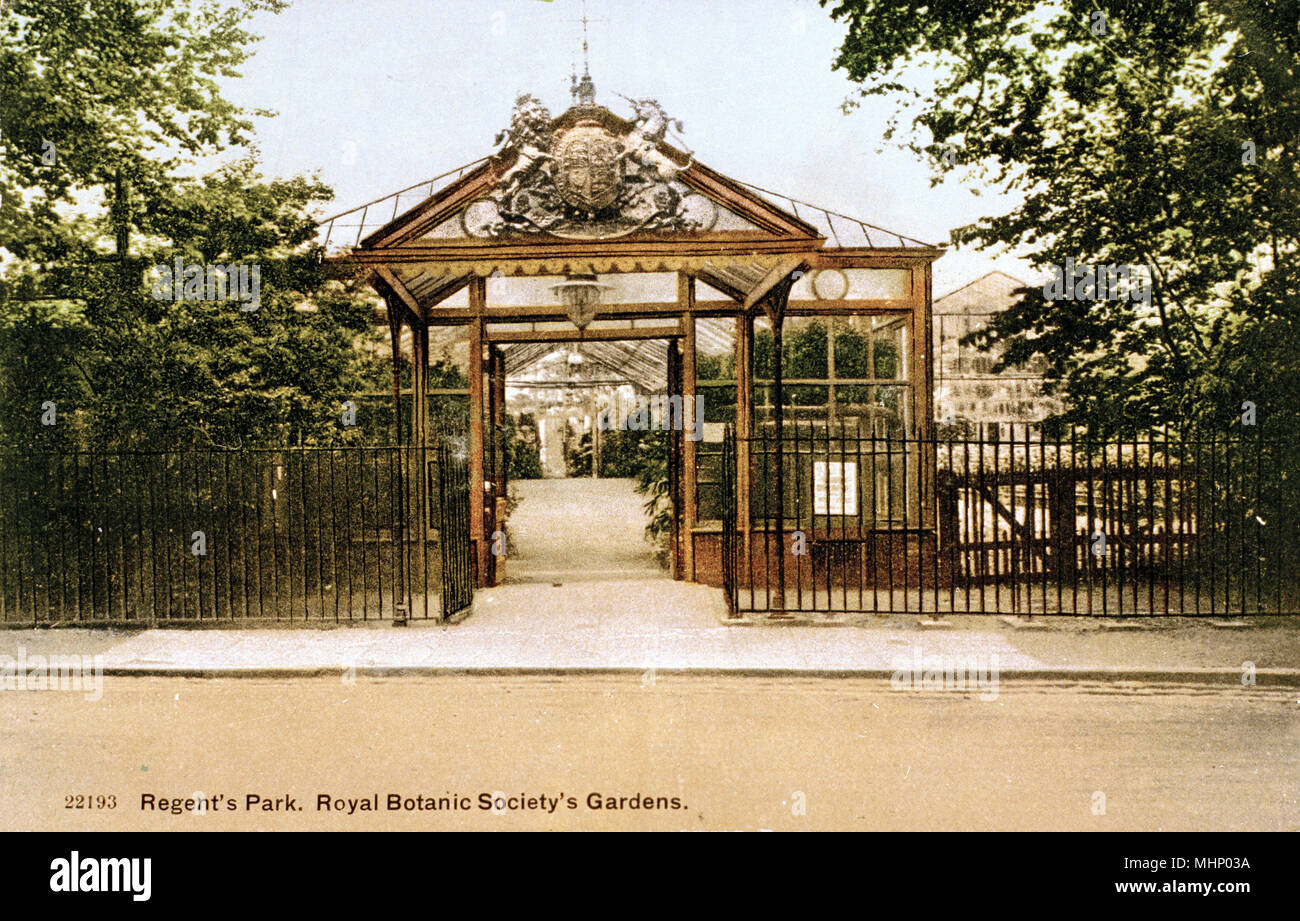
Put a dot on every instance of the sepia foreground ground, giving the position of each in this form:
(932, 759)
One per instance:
(736, 752)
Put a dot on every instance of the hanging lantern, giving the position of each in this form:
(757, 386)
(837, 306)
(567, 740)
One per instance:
(580, 295)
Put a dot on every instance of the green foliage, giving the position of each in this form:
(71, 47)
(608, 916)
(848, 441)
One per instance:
(150, 373)
(124, 90)
(523, 453)
(1128, 147)
(652, 482)
(1166, 138)
(39, 344)
(624, 452)
(448, 413)
(714, 367)
(577, 456)
(851, 356)
(806, 351)
(125, 93)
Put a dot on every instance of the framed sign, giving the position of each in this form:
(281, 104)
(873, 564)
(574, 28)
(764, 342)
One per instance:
(835, 487)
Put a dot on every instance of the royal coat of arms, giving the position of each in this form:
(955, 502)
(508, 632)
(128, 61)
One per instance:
(585, 181)
(587, 168)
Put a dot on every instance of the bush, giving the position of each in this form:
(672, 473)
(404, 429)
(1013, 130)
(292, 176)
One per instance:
(523, 453)
(577, 456)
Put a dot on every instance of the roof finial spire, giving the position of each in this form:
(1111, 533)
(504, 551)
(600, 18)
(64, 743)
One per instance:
(586, 70)
(584, 90)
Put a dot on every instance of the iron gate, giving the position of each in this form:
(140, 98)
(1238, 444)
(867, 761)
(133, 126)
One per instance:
(730, 537)
(282, 535)
(453, 530)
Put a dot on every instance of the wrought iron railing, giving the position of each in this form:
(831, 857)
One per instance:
(347, 228)
(285, 535)
(1160, 524)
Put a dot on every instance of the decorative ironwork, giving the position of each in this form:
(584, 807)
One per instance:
(587, 182)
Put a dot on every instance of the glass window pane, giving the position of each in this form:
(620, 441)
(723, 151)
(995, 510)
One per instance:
(719, 403)
(892, 411)
(709, 498)
(715, 349)
(890, 352)
(805, 349)
(851, 352)
(806, 395)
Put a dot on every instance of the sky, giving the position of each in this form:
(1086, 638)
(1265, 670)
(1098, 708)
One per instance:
(382, 94)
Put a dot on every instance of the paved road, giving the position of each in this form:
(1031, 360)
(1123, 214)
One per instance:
(579, 530)
(736, 752)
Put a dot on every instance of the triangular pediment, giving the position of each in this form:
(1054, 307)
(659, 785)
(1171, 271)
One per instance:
(712, 216)
(589, 177)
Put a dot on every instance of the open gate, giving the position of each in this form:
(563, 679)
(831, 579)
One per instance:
(308, 534)
(730, 536)
(453, 530)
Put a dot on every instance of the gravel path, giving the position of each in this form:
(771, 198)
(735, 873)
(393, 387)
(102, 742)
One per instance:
(578, 530)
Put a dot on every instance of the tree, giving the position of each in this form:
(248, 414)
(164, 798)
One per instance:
(123, 97)
(1158, 133)
(114, 97)
(42, 382)
(652, 482)
(166, 372)
(523, 455)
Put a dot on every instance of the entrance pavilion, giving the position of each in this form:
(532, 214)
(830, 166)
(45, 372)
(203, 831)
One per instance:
(592, 227)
